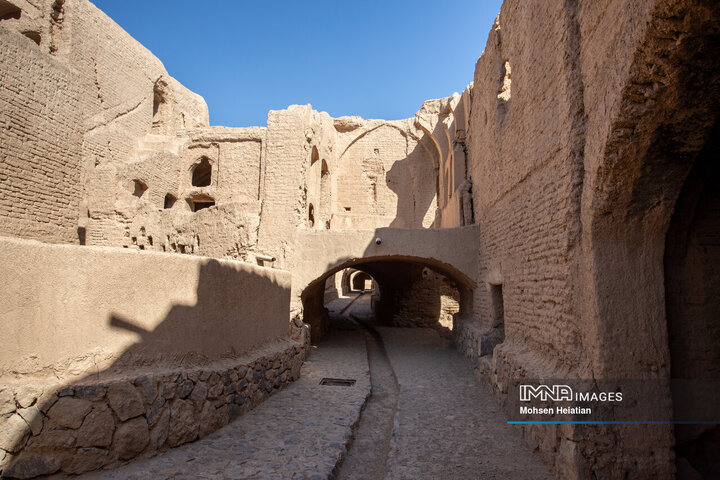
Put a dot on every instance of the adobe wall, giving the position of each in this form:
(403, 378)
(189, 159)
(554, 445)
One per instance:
(162, 217)
(582, 131)
(104, 330)
(40, 142)
(566, 154)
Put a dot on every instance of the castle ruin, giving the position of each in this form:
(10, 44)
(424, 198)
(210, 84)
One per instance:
(559, 216)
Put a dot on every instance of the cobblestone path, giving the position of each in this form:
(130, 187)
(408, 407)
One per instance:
(445, 423)
(427, 418)
(367, 457)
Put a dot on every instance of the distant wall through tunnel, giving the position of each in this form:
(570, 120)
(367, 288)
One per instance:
(408, 292)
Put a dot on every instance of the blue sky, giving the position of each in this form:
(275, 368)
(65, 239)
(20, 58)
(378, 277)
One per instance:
(376, 59)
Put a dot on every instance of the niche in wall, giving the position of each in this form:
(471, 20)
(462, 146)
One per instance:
(497, 304)
(200, 202)
(8, 11)
(202, 173)
(169, 201)
(139, 188)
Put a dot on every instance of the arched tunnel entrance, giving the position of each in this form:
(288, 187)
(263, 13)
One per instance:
(402, 291)
(692, 286)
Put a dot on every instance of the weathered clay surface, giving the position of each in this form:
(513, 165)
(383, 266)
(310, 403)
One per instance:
(567, 195)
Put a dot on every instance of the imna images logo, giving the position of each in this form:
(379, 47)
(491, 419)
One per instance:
(555, 393)
(558, 393)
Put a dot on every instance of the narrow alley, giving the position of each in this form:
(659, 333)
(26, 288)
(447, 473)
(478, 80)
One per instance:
(415, 411)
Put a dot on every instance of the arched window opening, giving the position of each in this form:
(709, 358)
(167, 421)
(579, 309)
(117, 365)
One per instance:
(139, 188)
(169, 201)
(200, 202)
(311, 216)
(202, 173)
(8, 11)
(325, 194)
(314, 156)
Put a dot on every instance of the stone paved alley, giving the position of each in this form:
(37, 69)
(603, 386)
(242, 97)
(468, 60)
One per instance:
(427, 418)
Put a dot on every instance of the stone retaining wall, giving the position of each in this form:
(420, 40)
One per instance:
(86, 426)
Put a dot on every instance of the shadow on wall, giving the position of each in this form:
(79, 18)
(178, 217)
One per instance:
(408, 184)
(413, 203)
(184, 379)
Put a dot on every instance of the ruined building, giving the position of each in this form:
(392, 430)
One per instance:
(561, 214)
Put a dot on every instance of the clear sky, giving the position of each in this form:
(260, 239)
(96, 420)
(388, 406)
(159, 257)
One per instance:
(376, 59)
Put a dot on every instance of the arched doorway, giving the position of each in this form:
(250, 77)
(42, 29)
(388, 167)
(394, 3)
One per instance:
(406, 291)
(692, 296)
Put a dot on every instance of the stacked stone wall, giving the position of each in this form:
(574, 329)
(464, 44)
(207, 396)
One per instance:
(88, 425)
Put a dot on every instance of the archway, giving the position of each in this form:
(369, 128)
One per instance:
(629, 196)
(692, 296)
(407, 291)
(361, 281)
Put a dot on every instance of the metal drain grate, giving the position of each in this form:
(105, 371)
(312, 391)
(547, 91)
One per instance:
(338, 382)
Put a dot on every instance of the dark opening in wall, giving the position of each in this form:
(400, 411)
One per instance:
(159, 106)
(325, 194)
(139, 188)
(199, 203)
(315, 156)
(8, 11)
(361, 281)
(169, 201)
(34, 36)
(157, 100)
(311, 215)
(692, 298)
(498, 311)
(202, 173)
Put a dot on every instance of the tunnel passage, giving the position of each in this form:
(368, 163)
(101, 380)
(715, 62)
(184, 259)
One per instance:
(692, 285)
(406, 292)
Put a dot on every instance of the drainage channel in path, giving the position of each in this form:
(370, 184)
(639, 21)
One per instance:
(428, 417)
(299, 433)
(367, 456)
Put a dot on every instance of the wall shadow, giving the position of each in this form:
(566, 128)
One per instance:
(198, 369)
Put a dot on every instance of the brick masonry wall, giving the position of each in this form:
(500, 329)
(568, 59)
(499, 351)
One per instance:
(429, 301)
(40, 143)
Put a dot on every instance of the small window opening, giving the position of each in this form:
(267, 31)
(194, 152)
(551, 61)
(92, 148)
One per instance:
(347, 209)
(315, 156)
(34, 36)
(8, 11)
(169, 201)
(200, 203)
(159, 106)
(498, 310)
(202, 173)
(139, 188)
(311, 216)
